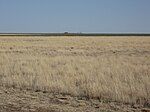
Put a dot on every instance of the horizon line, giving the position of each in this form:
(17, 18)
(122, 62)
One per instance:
(74, 34)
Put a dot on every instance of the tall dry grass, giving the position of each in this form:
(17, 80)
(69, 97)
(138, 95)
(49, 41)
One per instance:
(115, 69)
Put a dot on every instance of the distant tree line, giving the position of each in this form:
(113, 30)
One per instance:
(74, 34)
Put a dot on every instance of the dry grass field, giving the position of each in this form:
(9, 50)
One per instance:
(108, 69)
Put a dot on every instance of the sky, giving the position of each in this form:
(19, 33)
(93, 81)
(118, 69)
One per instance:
(88, 16)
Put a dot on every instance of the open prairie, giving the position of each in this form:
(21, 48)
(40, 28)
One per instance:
(89, 73)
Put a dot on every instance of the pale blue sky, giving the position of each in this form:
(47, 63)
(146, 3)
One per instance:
(75, 16)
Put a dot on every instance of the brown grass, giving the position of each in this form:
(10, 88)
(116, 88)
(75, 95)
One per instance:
(108, 68)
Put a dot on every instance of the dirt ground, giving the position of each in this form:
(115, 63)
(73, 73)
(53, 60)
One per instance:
(16, 100)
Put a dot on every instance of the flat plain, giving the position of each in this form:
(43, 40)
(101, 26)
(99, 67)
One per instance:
(73, 73)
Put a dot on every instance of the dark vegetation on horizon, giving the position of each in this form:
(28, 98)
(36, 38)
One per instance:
(74, 34)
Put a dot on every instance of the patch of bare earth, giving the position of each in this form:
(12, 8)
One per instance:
(16, 100)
